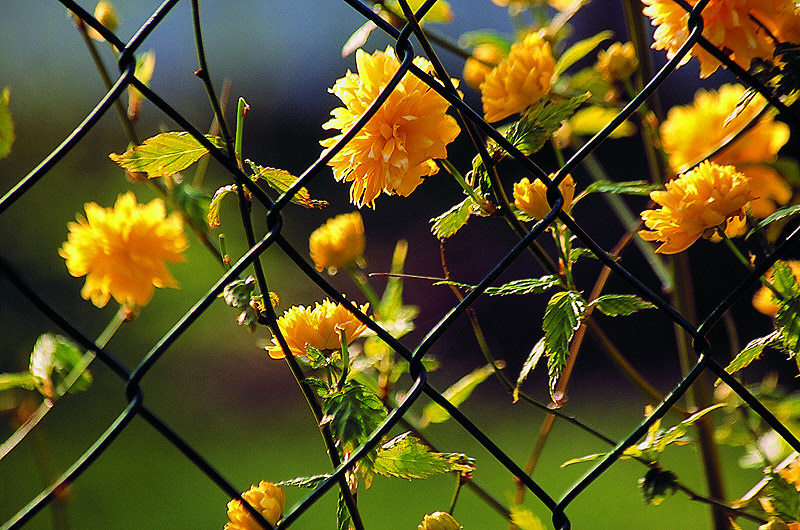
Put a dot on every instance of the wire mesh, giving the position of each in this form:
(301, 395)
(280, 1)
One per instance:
(272, 238)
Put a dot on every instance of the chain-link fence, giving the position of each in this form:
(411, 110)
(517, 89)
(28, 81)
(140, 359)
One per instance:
(272, 238)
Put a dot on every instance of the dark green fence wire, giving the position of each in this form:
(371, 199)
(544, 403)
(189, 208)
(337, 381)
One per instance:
(273, 238)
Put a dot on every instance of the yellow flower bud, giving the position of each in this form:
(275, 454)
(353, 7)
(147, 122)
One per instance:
(105, 13)
(475, 69)
(618, 62)
(267, 498)
(439, 521)
(338, 243)
(531, 197)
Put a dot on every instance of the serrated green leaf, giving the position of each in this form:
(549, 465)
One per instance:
(753, 351)
(634, 187)
(579, 50)
(529, 365)
(620, 304)
(24, 380)
(516, 287)
(591, 120)
(164, 154)
(453, 219)
(782, 213)
(787, 323)
(406, 457)
(538, 123)
(6, 123)
(457, 393)
(352, 412)
(784, 281)
(304, 482)
(53, 358)
(580, 252)
(783, 497)
(281, 180)
(524, 519)
(216, 202)
(562, 317)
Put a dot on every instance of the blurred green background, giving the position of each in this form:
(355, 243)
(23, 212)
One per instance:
(215, 386)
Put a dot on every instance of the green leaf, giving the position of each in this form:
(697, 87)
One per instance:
(281, 180)
(579, 50)
(529, 365)
(6, 124)
(634, 187)
(620, 304)
(406, 457)
(580, 252)
(471, 39)
(392, 299)
(517, 287)
(562, 318)
(343, 521)
(784, 498)
(457, 393)
(24, 380)
(753, 351)
(304, 482)
(352, 412)
(524, 519)
(164, 154)
(787, 323)
(191, 201)
(53, 359)
(587, 458)
(586, 80)
(453, 219)
(591, 120)
(656, 484)
(784, 281)
(216, 202)
(782, 213)
(539, 123)
(675, 433)
(238, 294)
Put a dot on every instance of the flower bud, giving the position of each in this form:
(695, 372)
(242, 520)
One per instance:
(618, 62)
(439, 521)
(105, 13)
(476, 67)
(267, 498)
(531, 197)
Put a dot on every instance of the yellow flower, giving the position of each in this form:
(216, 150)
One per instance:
(319, 327)
(439, 521)
(267, 498)
(618, 62)
(763, 299)
(696, 204)
(474, 68)
(397, 147)
(531, 197)
(791, 474)
(727, 24)
(338, 243)
(521, 80)
(690, 133)
(123, 250)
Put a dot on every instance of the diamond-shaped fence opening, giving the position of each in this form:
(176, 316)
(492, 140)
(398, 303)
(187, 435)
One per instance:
(273, 255)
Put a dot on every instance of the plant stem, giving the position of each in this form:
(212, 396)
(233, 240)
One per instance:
(363, 284)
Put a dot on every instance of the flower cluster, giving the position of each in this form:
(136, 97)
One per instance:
(339, 243)
(397, 147)
(320, 327)
(267, 498)
(520, 80)
(531, 197)
(123, 250)
(698, 203)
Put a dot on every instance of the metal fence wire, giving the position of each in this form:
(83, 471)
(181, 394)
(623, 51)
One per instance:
(273, 239)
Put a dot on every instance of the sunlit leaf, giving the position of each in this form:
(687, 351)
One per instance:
(352, 412)
(304, 482)
(782, 213)
(591, 120)
(6, 123)
(53, 359)
(281, 180)
(783, 497)
(457, 393)
(787, 323)
(453, 219)
(406, 457)
(212, 218)
(579, 50)
(753, 351)
(164, 154)
(524, 519)
(562, 318)
(517, 287)
(620, 304)
(784, 281)
(529, 365)
(633, 187)
(538, 124)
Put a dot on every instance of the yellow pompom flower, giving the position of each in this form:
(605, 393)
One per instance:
(531, 197)
(618, 62)
(439, 521)
(727, 24)
(397, 147)
(520, 80)
(319, 327)
(123, 250)
(267, 498)
(695, 204)
(692, 132)
(763, 300)
(339, 243)
(475, 68)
